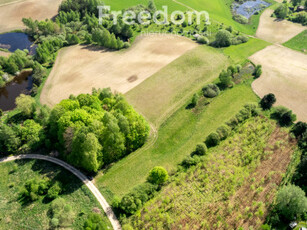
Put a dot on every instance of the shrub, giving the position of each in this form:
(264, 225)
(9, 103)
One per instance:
(223, 132)
(203, 40)
(158, 175)
(26, 104)
(95, 222)
(252, 108)
(201, 149)
(282, 11)
(225, 78)
(213, 140)
(258, 71)
(267, 101)
(189, 161)
(134, 200)
(194, 100)
(54, 191)
(211, 90)
(61, 213)
(240, 18)
(284, 116)
(223, 38)
(299, 129)
(232, 123)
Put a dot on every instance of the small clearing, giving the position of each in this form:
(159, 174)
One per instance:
(80, 68)
(275, 30)
(12, 14)
(285, 75)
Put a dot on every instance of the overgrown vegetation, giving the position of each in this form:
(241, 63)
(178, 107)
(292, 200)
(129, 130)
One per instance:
(295, 11)
(204, 194)
(70, 210)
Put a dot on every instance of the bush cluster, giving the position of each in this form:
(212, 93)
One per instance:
(34, 188)
(224, 131)
(224, 38)
(211, 90)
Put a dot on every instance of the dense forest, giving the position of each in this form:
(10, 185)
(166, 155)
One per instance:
(88, 130)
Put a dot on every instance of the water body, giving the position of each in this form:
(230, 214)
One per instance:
(14, 41)
(22, 84)
(249, 8)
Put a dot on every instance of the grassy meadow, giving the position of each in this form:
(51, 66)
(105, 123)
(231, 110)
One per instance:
(172, 86)
(176, 139)
(299, 42)
(240, 53)
(36, 215)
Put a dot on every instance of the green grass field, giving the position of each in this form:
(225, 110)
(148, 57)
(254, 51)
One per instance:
(299, 42)
(172, 86)
(219, 10)
(177, 138)
(35, 215)
(240, 53)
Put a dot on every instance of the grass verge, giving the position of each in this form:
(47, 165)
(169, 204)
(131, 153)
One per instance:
(299, 42)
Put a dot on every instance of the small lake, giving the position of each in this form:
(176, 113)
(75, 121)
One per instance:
(21, 84)
(14, 41)
(249, 8)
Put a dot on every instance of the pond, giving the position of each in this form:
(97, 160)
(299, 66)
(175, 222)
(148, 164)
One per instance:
(249, 8)
(14, 41)
(21, 84)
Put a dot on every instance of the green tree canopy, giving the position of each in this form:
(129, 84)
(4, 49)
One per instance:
(291, 202)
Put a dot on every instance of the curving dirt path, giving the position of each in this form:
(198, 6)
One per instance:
(104, 204)
(277, 31)
(11, 14)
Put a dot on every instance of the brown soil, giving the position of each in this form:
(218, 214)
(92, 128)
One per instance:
(277, 31)
(285, 75)
(79, 68)
(12, 14)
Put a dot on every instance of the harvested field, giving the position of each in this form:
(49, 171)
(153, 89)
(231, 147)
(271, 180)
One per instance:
(12, 14)
(277, 31)
(285, 75)
(80, 68)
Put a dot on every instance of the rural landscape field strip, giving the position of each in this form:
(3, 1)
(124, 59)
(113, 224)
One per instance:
(79, 68)
(177, 138)
(11, 15)
(276, 30)
(104, 204)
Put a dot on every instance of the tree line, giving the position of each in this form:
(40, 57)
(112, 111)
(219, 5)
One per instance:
(76, 23)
